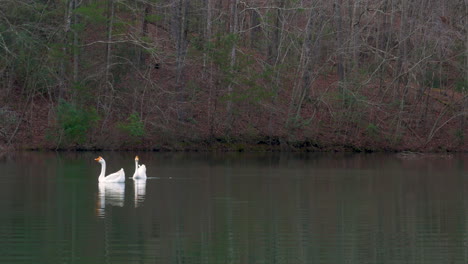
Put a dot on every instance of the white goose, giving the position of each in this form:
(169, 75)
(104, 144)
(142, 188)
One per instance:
(114, 177)
(140, 170)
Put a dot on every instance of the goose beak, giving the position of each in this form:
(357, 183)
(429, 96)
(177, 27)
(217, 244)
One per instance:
(98, 158)
(136, 158)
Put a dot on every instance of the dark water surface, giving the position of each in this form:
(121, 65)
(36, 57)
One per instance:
(234, 208)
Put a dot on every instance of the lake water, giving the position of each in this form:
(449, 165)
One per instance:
(234, 208)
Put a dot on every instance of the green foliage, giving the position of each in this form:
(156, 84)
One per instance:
(147, 40)
(83, 93)
(220, 50)
(298, 122)
(25, 13)
(431, 80)
(434, 77)
(75, 122)
(78, 27)
(28, 41)
(153, 18)
(92, 12)
(8, 120)
(133, 126)
(254, 94)
(247, 79)
(352, 99)
(461, 86)
(193, 88)
(56, 52)
(372, 130)
(198, 43)
(120, 27)
(460, 135)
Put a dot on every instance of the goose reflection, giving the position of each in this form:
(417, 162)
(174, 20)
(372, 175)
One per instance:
(110, 193)
(140, 191)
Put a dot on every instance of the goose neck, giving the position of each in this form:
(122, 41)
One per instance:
(103, 170)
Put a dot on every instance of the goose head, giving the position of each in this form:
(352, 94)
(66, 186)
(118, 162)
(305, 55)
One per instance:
(136, 158)
(99, 159)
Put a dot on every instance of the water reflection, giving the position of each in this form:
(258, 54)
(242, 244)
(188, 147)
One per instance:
(140, 191)
(110, 193)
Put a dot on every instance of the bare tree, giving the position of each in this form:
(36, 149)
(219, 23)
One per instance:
(233, 30)
(309, 59)
(339, 43)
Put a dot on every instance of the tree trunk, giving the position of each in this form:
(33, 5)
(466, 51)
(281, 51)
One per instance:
(233, 31)
(110, 25)
(179, 32)
(141, 56)
(309, 55)
(212, 95)
(339, 44)
(180, 23)
(355, 33)
(207, 33)
(464, 106)
(63, 66)
(109, 82)
(402, 66)
(75, 45)
(254, 32)
(276, 34)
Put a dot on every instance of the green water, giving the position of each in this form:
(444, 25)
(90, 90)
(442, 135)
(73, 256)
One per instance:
(234, 208)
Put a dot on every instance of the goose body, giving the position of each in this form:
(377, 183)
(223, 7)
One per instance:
(118, 176)
(140, 170)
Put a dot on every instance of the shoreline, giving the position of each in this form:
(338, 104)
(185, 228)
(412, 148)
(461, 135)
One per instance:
(292, 147)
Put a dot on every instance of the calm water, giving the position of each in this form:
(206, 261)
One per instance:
(234, 208)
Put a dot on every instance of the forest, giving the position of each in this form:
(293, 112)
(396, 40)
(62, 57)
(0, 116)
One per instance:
(232, 75)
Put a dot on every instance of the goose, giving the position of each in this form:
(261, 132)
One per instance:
(114, 177)
(140, 170)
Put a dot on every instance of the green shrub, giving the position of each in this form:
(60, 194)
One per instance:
(133, 126)
(8, 121)
(460, 136)
(461, 86)
(372, 130)
(75, 122)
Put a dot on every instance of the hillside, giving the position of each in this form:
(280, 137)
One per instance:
(234, 75)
